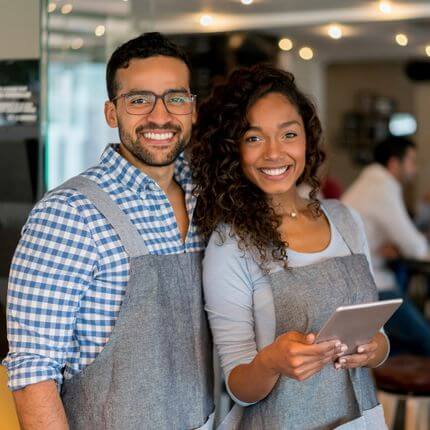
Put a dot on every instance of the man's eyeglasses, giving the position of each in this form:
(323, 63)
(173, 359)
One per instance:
(143, 102)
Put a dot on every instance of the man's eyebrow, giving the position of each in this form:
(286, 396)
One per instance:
(170, 90)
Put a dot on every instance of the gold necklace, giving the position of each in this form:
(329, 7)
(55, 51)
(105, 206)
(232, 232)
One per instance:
(292, 214)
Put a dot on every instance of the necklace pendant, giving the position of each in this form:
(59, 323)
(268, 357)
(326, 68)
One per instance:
(293, 215)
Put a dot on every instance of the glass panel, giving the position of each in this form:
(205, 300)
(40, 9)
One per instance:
(77, 130)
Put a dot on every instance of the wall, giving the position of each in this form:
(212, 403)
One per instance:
(343, 82)
(310, 77)
(19, 29)
(421, 93)
(19, 35)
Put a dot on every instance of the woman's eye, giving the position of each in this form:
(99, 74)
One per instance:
(252, 139)
(290, 135)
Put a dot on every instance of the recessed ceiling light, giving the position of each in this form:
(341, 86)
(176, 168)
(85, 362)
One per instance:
(385, 6)
(77, 43)
(66, 8)
(306, 53)
(206, 20)
(335, 31)
(100, 30)
(246, 2)
(428, 50)
(402, 39)
(52, 7)
(285, 44)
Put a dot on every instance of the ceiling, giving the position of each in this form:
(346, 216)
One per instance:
(368, 33)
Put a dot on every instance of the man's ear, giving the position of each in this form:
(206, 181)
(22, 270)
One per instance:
(194, 114)
(110, 114)
(393, 165)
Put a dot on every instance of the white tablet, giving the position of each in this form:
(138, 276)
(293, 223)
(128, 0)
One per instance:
(356, 325)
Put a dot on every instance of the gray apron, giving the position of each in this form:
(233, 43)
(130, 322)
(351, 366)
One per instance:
(155, 372)
(304, 298)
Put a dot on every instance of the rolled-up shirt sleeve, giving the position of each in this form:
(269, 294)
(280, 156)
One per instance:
(50, 271)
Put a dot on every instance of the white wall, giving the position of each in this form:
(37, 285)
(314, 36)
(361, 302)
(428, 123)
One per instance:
(310, 77)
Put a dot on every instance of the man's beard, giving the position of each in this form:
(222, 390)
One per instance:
(145, 156)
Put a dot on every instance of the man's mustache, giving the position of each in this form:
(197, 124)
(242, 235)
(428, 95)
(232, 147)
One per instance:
(152, 126)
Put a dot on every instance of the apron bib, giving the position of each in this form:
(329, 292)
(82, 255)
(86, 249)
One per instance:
(155, 372)
(304, 298)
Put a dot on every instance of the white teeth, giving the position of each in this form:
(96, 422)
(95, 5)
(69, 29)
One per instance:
(275, 172)
(158, 136)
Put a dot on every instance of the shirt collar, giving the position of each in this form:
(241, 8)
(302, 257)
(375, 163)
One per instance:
(134, 179)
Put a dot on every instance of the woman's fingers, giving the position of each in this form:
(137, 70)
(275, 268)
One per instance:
(301, 360)
(300, 344)
(308, 370)
(298, 356)
(365, 353)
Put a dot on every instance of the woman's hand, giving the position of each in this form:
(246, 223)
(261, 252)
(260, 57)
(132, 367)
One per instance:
(370, 354)
(297, 356)
(293, 354)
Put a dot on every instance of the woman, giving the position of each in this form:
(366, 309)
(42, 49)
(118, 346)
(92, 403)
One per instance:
(277, 265)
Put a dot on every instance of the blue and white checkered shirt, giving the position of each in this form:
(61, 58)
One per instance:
(70, 270)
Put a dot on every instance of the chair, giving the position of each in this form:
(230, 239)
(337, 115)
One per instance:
(9, 419)
(405, 378)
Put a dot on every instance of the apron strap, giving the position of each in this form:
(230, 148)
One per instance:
(347, 227)
(345, 224)
(128, 233)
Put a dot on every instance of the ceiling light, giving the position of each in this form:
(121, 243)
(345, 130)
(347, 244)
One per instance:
(52, 7)
(385, 6)
(100, 30)
(77, 43)
(285, 44)
(306, 53)
(402, 39)
(206, 20)
(428, 50)
(66, 8)
(335, 31)
(246, 2)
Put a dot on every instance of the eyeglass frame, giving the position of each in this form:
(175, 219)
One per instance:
(157, 96)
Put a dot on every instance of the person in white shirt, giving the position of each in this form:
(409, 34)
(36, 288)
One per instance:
(377, 196)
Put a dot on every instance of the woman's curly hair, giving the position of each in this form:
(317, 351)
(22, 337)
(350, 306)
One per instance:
(225, 195)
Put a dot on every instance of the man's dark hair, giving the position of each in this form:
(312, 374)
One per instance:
(392, 147)
(144, 46)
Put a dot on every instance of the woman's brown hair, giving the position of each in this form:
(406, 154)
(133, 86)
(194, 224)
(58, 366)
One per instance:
(225, 195)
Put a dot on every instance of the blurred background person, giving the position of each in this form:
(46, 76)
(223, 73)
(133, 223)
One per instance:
(378, 197)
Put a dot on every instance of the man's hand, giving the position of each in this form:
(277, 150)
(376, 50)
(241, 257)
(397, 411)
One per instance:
(389, 251)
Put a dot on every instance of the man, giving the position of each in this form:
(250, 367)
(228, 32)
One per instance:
(105, 300)
(377, 196)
